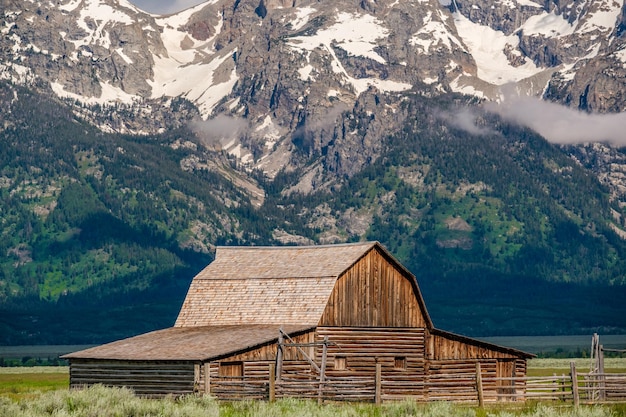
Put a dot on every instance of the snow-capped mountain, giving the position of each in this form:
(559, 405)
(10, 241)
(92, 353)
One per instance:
(266, 79)
(268, 122)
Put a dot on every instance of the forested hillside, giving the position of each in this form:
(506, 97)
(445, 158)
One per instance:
(102, 232)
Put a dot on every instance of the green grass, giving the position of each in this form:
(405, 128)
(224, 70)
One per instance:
(22, 383)
(99, 401)
(43, 391)
(548, 366)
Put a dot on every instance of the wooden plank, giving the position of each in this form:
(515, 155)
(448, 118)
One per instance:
(574, 377)
(207, 378)
(378, 384)
(479, 385)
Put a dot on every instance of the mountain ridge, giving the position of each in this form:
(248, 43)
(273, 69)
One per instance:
(298, 122)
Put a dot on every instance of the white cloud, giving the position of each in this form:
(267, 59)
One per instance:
(560, 124)
(219, 131)
(465, 119)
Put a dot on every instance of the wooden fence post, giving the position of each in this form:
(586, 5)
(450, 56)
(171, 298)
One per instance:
(601, 376)
(196, 377)
(279, 354)
(320, 390)
(207, 378)
(378, 389)
(272, 393)
(479, 385)
(574, 376)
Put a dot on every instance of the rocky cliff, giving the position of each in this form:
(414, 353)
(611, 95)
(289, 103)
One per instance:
(302, 81)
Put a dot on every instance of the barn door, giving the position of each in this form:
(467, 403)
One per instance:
(231, 370)
(505, 385)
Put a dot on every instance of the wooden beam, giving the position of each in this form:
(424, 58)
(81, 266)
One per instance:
(574, 377)
(279, 354)
(479, 385)
(282, 344)
(272, 393)
(207, 378)
(601, 377)
(320, 398)
(378, 389)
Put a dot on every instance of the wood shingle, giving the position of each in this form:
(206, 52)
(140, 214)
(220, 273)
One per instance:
(186, 343)
(267, 285)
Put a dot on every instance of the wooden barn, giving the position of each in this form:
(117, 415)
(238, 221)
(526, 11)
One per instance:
(339, 322)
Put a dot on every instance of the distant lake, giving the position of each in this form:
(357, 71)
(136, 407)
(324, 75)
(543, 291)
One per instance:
(537, 344)
(531, 344)
(39, 351)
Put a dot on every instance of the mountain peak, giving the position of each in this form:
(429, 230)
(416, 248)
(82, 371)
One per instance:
(292, 62)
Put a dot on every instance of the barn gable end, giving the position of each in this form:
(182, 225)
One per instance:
(375, 292)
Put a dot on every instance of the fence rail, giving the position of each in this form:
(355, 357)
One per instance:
(594, 388)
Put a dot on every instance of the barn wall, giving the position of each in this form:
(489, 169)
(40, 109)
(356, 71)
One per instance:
(268, 352)
(440, 347)
(400, 351)
(227, 383)
(145, 378)
(373, 293)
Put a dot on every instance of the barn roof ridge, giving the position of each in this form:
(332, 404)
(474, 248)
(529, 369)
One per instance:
(270, 278)
(286, 247)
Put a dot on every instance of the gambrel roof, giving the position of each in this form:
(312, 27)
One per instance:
(272, 285)
(244, 297)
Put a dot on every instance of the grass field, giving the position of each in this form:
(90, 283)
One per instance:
(546, 367)
(20, 383)
(43, 391)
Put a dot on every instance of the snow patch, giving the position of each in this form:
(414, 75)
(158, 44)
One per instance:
(604, 18)
(125, 57)
(487, 48)
(302, 17)
(305, 72)
(621, 56)
(103, 15)
(358, 36)
(71, 6)
(110, 94)
(433, 33)
(529, 3)
(547, 24)
(355, 34)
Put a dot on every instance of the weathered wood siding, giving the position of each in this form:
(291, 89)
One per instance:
(374, 293)
(400, 351)
(255, 364)
(145, 378)
(446, 348)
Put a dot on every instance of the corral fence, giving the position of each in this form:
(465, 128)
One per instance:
(576, 388)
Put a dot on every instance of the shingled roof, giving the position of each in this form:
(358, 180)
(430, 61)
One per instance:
(241, 300)
(187, 343)
(268, 285)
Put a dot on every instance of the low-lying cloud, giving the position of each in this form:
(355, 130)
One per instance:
(219, 131)
(560, 124)
(464, 119)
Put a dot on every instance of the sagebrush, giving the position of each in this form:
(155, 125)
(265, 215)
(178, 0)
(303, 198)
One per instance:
(99, 401)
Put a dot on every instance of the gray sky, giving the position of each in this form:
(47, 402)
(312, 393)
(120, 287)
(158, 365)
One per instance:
(165, 6)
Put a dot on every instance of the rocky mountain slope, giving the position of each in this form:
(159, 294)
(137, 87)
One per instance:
(289, 77)
(135, 143)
